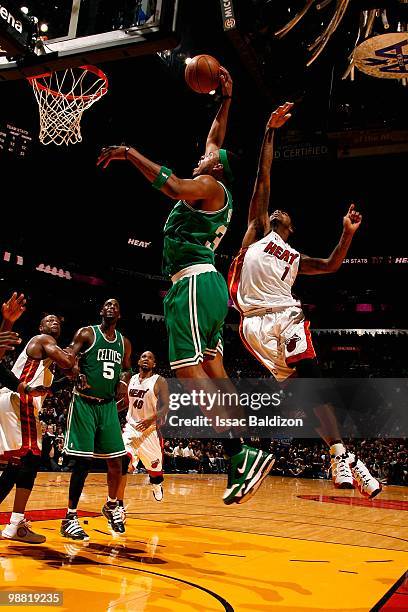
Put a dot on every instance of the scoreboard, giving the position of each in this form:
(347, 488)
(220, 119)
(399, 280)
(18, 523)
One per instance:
(14, 141)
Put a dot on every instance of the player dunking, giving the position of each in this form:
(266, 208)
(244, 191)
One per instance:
(196, 306)
(21, 438)
(93, 428)
(273, 326)
(148, 405)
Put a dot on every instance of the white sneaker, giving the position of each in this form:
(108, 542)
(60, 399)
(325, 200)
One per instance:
(366, 483)
(157, 491)
(341, 473)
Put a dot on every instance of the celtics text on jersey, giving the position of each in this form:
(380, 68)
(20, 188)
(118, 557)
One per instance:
(102, 364)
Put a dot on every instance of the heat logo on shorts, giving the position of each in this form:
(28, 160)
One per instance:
(291, 343)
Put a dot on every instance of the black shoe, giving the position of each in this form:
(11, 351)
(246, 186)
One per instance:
(70, 528)
(115, 518)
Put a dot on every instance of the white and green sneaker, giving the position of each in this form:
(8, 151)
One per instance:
(247, 471)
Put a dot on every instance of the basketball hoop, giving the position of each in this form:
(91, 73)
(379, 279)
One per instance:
(62, 97)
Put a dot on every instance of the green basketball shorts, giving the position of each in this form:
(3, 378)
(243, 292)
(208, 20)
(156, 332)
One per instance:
(93, 430)
(195, 309)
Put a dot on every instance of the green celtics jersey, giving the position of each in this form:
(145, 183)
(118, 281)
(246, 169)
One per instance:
(102, 364)
(191, 236)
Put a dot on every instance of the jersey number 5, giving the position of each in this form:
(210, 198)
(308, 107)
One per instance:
(108, 370)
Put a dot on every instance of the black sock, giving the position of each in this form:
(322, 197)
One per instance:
(120, 502)
(232, 446)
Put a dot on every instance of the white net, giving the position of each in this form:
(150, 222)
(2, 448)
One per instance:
(63, 97)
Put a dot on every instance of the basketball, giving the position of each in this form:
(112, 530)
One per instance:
(203, 73)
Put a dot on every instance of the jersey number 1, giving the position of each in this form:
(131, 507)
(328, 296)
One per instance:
(284, 275)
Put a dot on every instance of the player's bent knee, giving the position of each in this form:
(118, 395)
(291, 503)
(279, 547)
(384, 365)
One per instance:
(115, 465)
(81, 467)
(27, 472)
(195, 371)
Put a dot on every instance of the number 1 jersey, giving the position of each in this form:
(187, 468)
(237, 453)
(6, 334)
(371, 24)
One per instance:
(262, 275)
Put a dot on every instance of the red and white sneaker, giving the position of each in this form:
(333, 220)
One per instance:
(366, 483)
(341, 473)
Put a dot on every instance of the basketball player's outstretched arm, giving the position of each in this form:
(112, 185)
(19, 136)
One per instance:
(258, 218)
(314, 265)
(216, 135)
(204, 187)
(11, 311)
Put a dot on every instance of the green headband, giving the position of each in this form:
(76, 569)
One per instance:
(227, 169)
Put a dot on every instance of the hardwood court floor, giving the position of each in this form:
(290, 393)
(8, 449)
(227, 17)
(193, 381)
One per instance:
(298, 545)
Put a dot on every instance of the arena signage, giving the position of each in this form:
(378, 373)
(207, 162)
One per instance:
(228, 16)
(144, 244)
(15, 32)
(15, 23)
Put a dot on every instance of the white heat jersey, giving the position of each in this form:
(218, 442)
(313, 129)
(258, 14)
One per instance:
(142, 399)
(262, 275)
(34, 372)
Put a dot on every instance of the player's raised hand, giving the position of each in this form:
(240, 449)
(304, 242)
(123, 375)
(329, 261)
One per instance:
(226, 82)
(8, 340)
(13, 308)
(352, 221)
(280, 116)
(109, 154)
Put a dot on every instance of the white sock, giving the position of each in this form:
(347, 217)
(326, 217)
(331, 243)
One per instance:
(16, 518)
(71, 511)
(337, 449)
(112, 500)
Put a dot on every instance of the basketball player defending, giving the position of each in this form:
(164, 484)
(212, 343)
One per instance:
(148, 405)
(197, 304)
(21, 438)
(93, 428)
(273, 327)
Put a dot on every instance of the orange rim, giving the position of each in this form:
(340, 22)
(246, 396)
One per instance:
(94, 69)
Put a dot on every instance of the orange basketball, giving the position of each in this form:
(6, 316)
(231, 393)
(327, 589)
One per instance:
(203, 73)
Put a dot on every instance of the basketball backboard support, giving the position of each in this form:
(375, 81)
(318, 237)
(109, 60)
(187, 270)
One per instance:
(72, 33)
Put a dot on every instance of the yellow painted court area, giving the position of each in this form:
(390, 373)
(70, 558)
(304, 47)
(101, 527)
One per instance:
(278, 552)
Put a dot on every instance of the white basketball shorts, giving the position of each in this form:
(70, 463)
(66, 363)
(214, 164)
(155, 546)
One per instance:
(144, 445)
(20, 430)
(278, 340)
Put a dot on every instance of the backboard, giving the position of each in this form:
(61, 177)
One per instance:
(71, 33)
